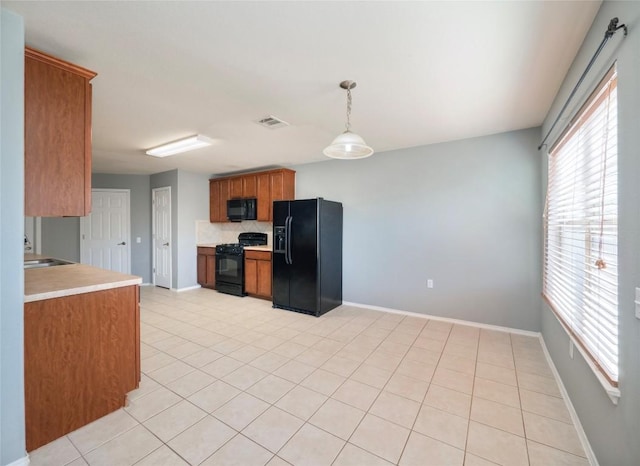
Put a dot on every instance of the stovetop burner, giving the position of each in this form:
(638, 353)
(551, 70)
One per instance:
(244, 239)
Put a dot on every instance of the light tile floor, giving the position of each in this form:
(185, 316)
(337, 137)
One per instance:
(231, 381)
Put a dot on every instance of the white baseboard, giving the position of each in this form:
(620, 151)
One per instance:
(497, 328)
(593, 461)
(146, 284)
(24, 461)
(188, 288)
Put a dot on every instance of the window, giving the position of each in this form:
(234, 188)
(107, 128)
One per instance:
(580, 280)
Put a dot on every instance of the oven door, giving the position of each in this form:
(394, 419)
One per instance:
(229, 268)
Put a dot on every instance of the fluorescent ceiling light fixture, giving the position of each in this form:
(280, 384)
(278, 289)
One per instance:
(181, 145)
(348, 145)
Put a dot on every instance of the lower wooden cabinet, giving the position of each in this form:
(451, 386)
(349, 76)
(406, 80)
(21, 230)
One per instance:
(81, 358)
(207, 267)
(257, 273)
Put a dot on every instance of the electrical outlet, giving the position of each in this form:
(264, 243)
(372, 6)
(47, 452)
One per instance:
(138, 240)
(429, 283)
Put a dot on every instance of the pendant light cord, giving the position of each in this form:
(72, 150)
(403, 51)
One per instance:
(348, 124)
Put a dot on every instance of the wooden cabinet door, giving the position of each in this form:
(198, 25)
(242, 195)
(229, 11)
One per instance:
(57, 130)
(257, 273)
(251, 276)
(282, 185)
(223, 198)
(211, 271)
(264, 278)
(264, 197)
(207, 267)
(235, 187)
(80, 360)
(249, 186)
(214, 201)
(277, 186)
(225, 195)
(202, 269)
(218, 196)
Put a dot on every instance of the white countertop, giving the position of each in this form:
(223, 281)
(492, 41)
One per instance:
(66, 280)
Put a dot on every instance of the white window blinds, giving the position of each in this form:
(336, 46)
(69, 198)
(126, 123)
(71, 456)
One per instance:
(581, 228)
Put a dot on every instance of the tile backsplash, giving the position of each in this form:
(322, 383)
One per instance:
(218, 233)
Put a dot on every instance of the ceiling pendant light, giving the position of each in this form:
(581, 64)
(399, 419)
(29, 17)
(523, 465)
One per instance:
(348, 145)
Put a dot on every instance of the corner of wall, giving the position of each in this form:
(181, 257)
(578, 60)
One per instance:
(12, 419)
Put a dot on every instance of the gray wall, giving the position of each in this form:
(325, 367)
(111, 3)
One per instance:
(61, 237)
(140, 196)
(612, 430)
(12, 439)
(193, 204)
(466, 214)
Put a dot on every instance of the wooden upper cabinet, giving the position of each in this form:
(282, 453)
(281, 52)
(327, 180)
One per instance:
(214, 203)
(225, 195)
(282, 185)
(263, 213)
(266, 187)
(218, 196)
(57, 137)
(249, 186)
(235, 187)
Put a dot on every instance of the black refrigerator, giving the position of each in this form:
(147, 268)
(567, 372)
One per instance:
(307, 255)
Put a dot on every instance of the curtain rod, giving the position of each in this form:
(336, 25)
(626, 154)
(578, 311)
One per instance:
(611, 30)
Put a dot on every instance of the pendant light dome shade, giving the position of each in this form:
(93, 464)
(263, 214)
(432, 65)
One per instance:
(348, 145)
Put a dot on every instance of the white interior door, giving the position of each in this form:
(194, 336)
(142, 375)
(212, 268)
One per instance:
(105, 233)
(162, 236)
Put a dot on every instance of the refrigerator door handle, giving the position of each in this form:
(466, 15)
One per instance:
(288, 258)
(286, 240)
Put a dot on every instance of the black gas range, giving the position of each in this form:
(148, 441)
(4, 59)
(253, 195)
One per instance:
(230, 263)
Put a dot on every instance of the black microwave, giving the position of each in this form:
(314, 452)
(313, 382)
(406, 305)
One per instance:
(241, 209)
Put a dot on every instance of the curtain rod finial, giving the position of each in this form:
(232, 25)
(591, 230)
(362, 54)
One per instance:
(613, 27)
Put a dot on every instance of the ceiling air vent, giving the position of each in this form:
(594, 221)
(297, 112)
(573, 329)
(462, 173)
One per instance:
(272, 122)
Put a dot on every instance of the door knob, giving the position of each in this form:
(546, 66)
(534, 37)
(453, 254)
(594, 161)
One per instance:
(166, 244)
(122, 244)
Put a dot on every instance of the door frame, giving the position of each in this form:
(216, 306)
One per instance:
(83, 225)
(34, 234)
(153, 235)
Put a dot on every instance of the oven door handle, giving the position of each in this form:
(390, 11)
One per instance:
(287, 252)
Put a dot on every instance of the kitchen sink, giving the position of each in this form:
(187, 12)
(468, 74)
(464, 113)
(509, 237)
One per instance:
(39, 263)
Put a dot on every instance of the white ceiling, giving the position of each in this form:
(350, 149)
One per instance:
(427, 72)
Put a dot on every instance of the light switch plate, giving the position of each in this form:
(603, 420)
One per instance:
(637, 303)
